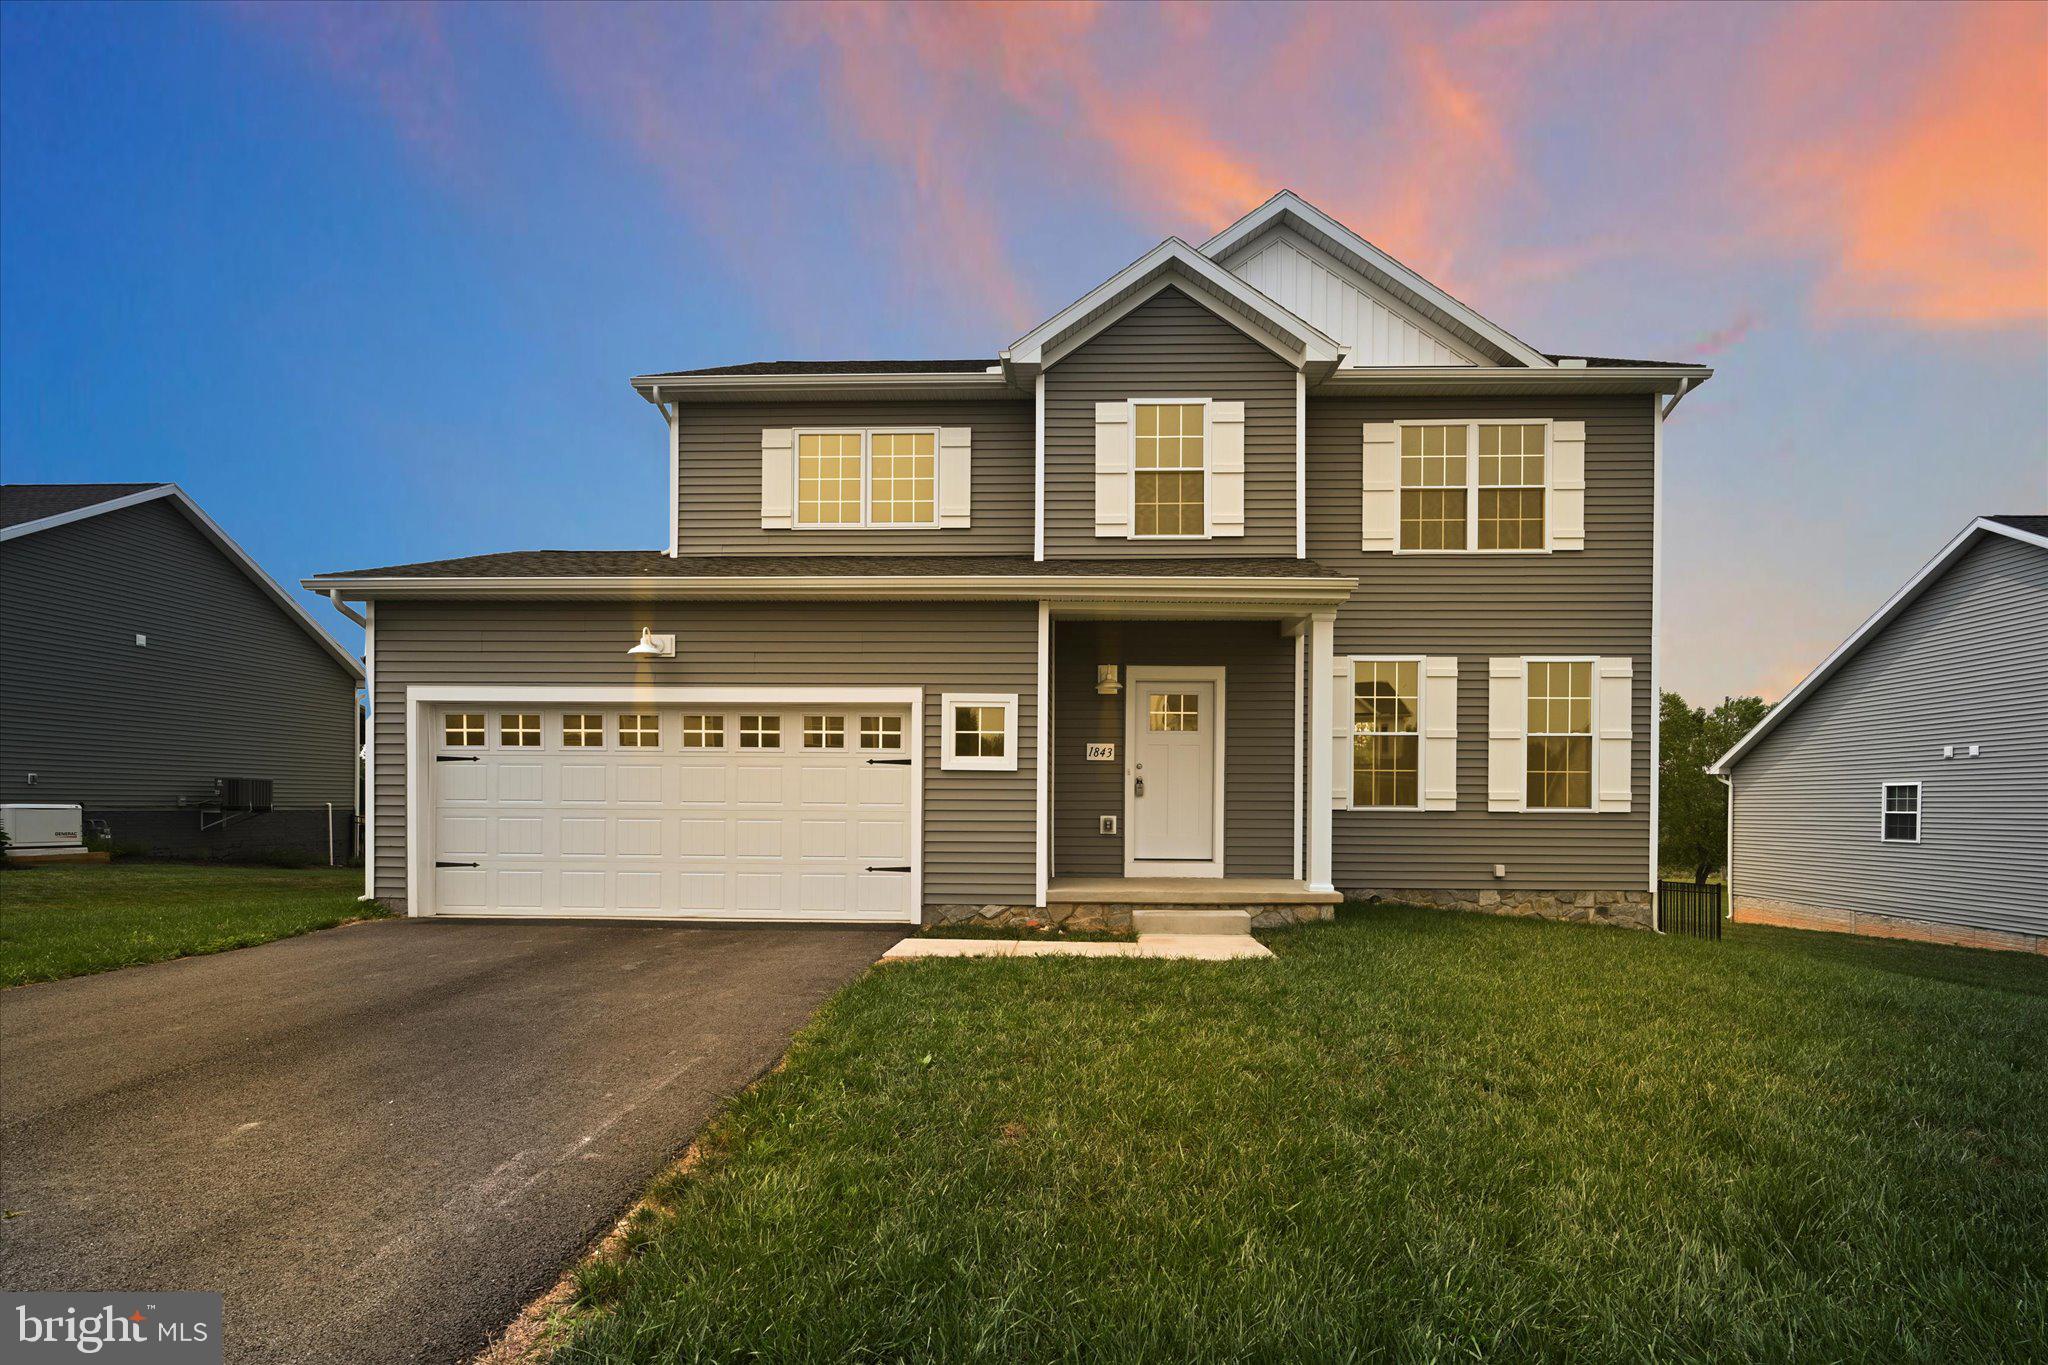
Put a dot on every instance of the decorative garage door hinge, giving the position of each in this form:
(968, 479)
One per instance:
(904, 868)
(893, 762)
(454, 758)
(442, 864)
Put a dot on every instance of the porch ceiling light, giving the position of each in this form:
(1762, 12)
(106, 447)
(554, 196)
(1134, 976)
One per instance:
(1105, 680)
(653, 646)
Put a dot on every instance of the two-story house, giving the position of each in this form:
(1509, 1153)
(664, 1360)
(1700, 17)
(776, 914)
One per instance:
(1264, 570)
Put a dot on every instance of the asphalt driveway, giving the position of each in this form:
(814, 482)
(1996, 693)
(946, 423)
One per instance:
(382, 1140)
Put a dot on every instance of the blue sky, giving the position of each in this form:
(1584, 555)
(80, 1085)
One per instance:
(369, 281)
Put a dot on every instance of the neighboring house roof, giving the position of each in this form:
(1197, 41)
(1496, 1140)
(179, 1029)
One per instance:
(60, 504)
(21, 503)
(657, 564)
(2032, 530)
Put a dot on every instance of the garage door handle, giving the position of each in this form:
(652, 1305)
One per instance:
(454, 758)
(896, 762)
(904, 868)
(441, 864)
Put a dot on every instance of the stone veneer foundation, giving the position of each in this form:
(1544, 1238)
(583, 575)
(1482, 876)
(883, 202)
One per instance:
(1114, 918)
(1630, 909)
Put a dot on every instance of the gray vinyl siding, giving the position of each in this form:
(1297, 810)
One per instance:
(720, 503)
(1963, 664)
(1476, 607)
(979, 827)
(1169, 347)
(229, 684)
(1258, 707)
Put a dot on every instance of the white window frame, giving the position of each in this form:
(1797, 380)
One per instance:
(1208, 466)
(1421, 663)
(1884, 792)
(950, 703)
(1472, 425)
(1592, 662)
(867, 481)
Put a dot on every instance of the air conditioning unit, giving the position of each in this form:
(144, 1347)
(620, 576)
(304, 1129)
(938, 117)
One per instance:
(244, 793)
(38, 831)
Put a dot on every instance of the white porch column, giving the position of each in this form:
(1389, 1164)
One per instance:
(1321, 719)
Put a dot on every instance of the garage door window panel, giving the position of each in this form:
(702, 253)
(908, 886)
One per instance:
(881, 732)
(760, 731)
(519, 729)
(640, 731)
(582, 730)
(703, 731)
(824, 732)
(463, 730)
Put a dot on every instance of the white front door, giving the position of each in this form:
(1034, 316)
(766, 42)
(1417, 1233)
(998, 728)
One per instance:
(1173, 725)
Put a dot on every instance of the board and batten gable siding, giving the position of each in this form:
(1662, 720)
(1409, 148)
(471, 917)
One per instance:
(1593, 601)
(979, 827)
(1169, 347)
(1965, 663)
(228, 685)
(719, 494)
(1258, 754)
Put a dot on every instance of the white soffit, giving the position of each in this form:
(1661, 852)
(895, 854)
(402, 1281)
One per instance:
(1240, 242)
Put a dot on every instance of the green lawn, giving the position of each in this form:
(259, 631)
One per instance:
(1412, 1136)
(68, 920)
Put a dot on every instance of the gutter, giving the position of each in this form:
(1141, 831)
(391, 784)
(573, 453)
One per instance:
(718, 385)
(1660, 379)
(1298, 592)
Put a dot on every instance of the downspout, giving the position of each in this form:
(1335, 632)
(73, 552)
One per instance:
(1684, 387)
(334, 596)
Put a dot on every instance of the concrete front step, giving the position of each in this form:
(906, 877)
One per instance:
(1189, 920)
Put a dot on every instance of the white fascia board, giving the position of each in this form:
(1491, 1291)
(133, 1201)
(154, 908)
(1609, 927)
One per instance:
(221, 540)
(1613, 378)
(1287, 203)
(697, 388)
(1298, 592)
(1879, 619)
(1315, 347)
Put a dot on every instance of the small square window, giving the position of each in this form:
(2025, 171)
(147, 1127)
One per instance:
(824, 732)
(519, 730)
(760, 732)
(582, 730)
(980, 732)
(1902, 812)
(881, 732)
(640, 731)
(463, 729)
(703, 732)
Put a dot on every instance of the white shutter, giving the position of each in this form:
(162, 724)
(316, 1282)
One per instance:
(778, 479)
(1382, 486)
(1343, 711)
(1440, 733)
(1113, 469)
(956, 476)
(1226, 469)
(1614, 714)
(1567, 464)
(1507, 715)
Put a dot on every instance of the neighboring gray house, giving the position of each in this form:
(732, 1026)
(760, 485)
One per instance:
(1902, 788)
(1265, 569)
(144, 658)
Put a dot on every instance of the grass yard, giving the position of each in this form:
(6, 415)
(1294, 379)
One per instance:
(68, 920)
(1412, 1136)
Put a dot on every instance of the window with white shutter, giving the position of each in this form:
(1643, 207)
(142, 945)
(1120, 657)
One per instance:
(1491, 486)
(1560, 734)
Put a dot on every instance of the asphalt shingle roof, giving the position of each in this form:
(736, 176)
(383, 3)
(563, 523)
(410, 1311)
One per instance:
(21, 502)
(655, 564)
(838, 367)
(2032, 525)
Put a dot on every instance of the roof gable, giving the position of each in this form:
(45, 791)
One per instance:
(1411, 296)
(207, 527)
(1175, 263)
(2017, 528)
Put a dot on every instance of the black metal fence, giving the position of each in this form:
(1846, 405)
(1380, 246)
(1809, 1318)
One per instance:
(1683, 908)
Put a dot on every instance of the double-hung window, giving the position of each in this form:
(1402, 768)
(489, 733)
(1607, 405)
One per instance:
(1170, 491)
(1474, 485)
(863, 478)
(1386, 733)
(1560, 735)
(1901, 813)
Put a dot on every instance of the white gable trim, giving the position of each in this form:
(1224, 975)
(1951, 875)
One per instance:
(1884, 616)
(221, 540)
(1173, 262)
(1287, 204)
(1342, 278)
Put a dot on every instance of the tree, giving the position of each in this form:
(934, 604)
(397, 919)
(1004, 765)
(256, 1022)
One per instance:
(1692, 804)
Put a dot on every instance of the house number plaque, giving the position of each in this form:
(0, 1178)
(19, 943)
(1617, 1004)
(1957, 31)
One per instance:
(1102, 753)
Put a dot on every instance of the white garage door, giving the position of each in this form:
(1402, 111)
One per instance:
(717, 812)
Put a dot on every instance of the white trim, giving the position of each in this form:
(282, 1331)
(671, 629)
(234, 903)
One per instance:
(209, 528)
(674, 413)
(1038, 478)
(419, 697)
(1300, 466)
(1287, 204)
(1291, 594)
(1300, 649)
(1884, 794)
(1042, 752)
(1592, 662)
(369, 752)
(1656, 640)
(949, 702)
(1472, 484)
(1157, 674)
(1883, 616)
(1421, 662)
(1321, 720)
(1208, 466)
(955, 385)
(1508, 380)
